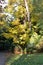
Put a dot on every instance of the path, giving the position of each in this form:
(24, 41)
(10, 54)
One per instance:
(3, 57)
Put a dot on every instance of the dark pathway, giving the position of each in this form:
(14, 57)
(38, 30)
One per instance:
(3, 57)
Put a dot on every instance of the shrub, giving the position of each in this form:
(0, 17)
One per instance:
(39, 46)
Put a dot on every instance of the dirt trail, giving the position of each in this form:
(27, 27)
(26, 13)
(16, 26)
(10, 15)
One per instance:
(3, 57)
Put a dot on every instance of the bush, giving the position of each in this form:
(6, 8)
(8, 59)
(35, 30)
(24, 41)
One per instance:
(39, 46)
(5, 44)
(30, 48)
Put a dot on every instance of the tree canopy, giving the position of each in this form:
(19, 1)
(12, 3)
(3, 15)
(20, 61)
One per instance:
(22, 20)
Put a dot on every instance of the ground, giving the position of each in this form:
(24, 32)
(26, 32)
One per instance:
(28, 59)
(3, 57)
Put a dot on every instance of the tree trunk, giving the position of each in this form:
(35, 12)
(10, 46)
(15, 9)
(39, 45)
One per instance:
(27, 8)
(28, 13)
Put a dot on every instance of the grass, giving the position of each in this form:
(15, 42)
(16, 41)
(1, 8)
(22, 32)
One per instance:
(30, 59)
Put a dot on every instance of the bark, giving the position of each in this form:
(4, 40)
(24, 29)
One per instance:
(27, 9)
(28, 13)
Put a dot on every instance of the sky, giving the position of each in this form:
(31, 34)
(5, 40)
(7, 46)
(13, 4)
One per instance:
(3, 4)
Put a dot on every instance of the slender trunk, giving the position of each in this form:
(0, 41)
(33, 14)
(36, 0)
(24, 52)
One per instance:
(28, 13)
(27, 8)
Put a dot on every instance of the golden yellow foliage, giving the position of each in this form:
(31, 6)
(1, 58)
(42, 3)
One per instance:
(21, 12)
(1, 23)
(31, 7)
(11, 1)
(10, 8)
(34, 19)
(15, 22)
(7, 36)
(15, 39)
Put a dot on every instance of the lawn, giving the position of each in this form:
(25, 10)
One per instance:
(30, 59)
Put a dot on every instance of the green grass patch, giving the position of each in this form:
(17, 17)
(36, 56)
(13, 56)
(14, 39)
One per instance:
(30, 59)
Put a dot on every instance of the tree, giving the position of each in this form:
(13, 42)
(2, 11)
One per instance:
(22, 21)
